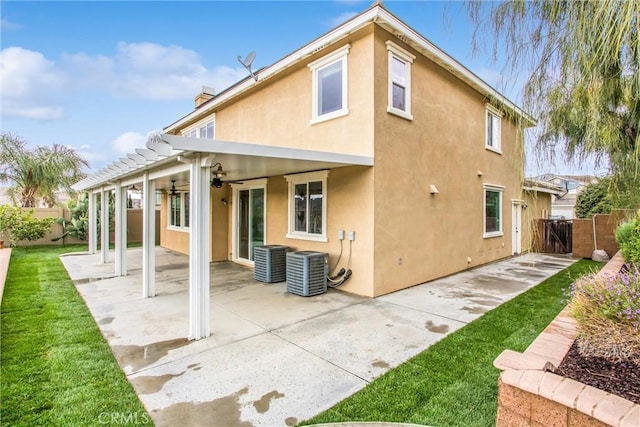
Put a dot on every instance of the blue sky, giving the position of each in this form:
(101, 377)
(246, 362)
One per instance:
(99, 76)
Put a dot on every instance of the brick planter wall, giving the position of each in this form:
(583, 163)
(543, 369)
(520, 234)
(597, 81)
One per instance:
(530, 394)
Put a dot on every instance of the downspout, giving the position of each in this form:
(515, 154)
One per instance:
(595, 240)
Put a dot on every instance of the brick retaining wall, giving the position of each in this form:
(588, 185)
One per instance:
(530, 394)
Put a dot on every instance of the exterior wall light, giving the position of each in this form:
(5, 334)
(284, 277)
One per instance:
(433, 189)
(219, 173)
(216, 182)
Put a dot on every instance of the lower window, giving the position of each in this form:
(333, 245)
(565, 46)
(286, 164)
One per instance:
(307, 206)
(493, 210)
(179, 210)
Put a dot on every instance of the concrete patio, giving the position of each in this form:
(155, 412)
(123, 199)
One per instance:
(275, 358)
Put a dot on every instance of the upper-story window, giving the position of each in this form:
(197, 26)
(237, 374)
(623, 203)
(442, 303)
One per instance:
(329, 86)
(203, 130)
(492, 134)
(206, 130)
(308, 206)
(399, 81)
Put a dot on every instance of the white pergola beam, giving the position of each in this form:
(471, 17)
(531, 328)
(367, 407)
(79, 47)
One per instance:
(104, 226)
(147, 154)
(129, 162)
(92, 232)
(199, 232)
(148, 237)
(121, 230)
(171, 170)
(141, 161)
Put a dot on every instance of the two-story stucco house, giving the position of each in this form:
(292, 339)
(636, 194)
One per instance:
(371, 130)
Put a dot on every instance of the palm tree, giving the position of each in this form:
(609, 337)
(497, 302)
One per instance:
(40, 172)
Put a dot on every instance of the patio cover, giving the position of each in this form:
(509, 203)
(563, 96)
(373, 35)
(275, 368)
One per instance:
(189, 159)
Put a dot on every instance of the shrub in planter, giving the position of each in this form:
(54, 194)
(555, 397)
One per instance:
(628, 237)
(607, 310)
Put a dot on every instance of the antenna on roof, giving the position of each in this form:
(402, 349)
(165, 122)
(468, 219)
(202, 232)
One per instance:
(246, 63)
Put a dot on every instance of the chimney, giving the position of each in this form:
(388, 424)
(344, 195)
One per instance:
(205, 94)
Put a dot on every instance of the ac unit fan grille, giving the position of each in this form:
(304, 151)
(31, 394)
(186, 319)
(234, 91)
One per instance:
(270, 263)
(307, 273)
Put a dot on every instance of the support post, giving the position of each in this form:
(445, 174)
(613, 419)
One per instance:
(104, 226)
(92, 235)
(148, 237)
(199, 235)
(121, 230)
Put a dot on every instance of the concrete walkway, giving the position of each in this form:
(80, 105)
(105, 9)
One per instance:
(275, 358)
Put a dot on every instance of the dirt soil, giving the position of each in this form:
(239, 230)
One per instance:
(622, 379)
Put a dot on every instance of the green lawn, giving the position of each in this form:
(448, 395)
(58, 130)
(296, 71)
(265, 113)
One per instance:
(56, 367)
(453, 382)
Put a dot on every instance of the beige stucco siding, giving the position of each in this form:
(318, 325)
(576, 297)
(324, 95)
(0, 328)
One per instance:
(538, 205)
(349, 208)
(419, 236)
(178, 240)
(404, 234)
(279, 113)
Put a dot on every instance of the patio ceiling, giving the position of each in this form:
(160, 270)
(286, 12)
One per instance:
(241, 161)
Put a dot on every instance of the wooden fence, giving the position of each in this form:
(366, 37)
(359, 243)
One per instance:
(554, 236)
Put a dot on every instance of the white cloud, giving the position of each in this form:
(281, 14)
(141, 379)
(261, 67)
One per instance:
(32, 84)
(26, 79)
(7, 25)
(151, 71)
(128, 142)
(31, 112)
(341, 19)
(90, 154)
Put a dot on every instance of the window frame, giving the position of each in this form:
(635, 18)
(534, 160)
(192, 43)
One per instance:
(495, 143)
(184, 195)
(306, 178)
(195, 131)
(395, 52)
(495, 189)
(340, 55)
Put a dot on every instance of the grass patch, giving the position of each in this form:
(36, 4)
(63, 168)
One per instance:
(453, 382)
(56, 367)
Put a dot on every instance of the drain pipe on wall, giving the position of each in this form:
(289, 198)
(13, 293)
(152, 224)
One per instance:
(598, 254)
(595, 239)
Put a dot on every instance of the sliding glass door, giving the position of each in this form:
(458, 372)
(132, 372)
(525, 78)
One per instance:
(250, 221)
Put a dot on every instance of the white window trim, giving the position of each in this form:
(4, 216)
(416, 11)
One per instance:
(300, 178)
(196, 126)
(245, 185)
(182, 228)
(499, 189)
(406, 57)
(317, 65)
(494, 111)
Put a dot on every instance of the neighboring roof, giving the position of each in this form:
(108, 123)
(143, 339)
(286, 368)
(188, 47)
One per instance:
(379, 15)
(581, 179)
(566, 200)
(530, 184)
